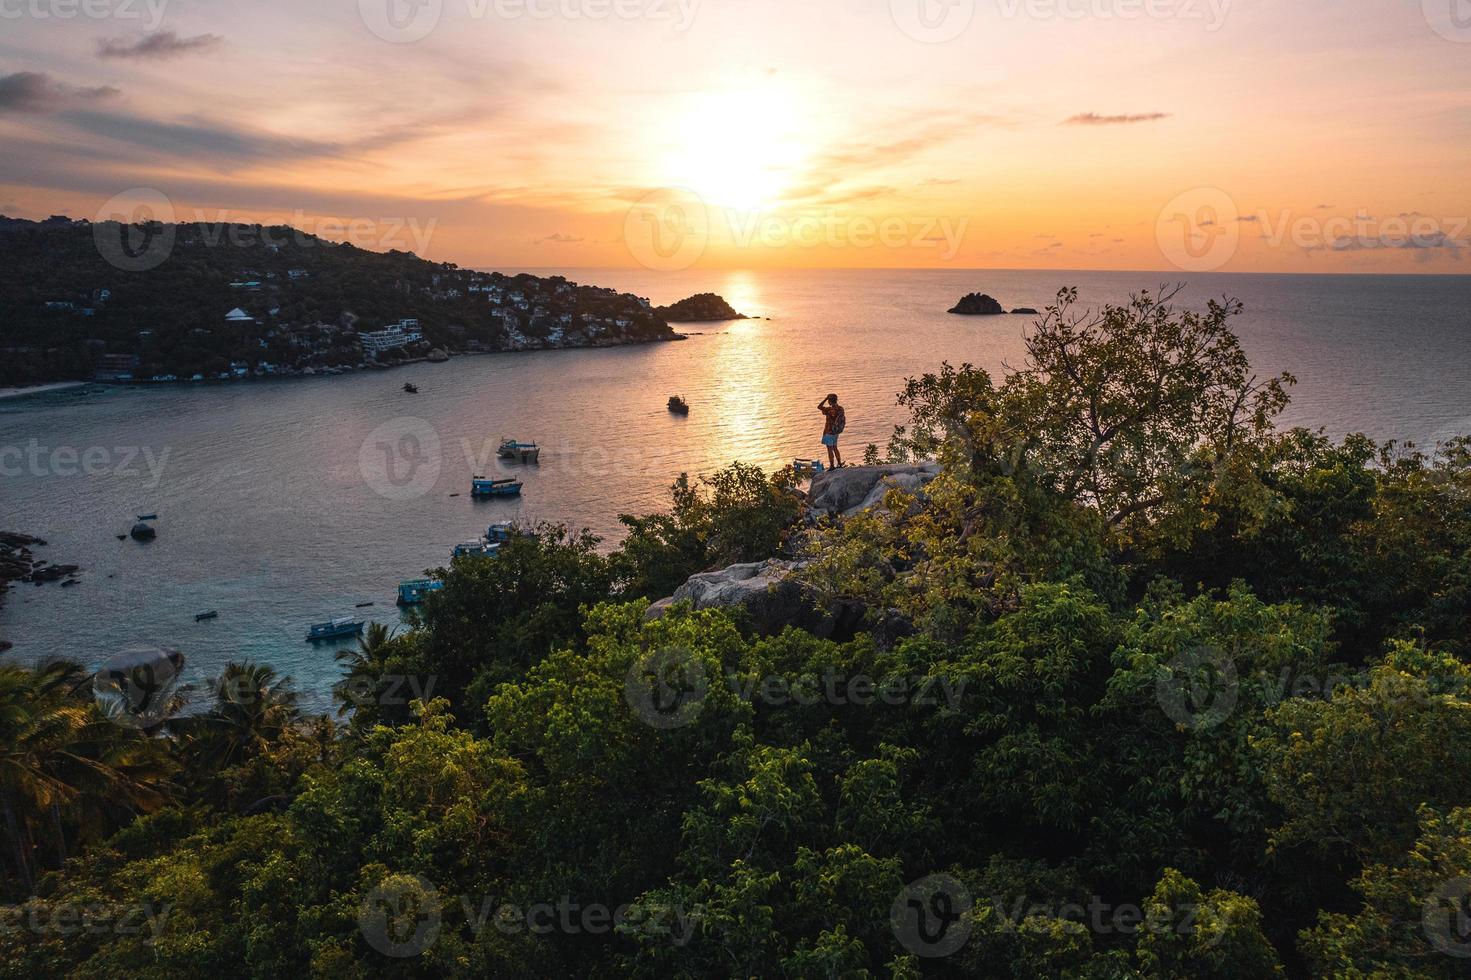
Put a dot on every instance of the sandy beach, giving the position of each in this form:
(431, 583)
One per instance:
(39, 389)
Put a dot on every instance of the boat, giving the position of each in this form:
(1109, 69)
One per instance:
(476, 549)
(807, 467)
(342, 626)
(481, 487)
(411, 389)
(525, 452)
(413, 592)
(147, 517)
(678, 405)
(365, 605)
(201, 617)
(501, 533)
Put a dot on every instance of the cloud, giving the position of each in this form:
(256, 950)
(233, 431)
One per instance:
(557, 238)
(939, 181)
(33, 91)
(156, 47)
(1094, 119)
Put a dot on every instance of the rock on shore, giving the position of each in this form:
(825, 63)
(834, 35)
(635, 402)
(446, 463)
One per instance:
(844, 492)
(18, 564)
(978, 304)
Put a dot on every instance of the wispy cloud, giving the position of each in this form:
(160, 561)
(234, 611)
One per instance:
(156, 47)
(1095, 119)
(33, 91)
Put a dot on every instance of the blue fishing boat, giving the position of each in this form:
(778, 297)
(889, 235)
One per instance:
(476, 549)
(342, 626)
(501, 533)
(481, 487)
(807, 467)
(525, 452)
(413, 593)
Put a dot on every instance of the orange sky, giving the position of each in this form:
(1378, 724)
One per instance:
(1192, 135)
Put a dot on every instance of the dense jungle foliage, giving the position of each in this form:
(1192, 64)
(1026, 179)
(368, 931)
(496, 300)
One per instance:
(1161, 691)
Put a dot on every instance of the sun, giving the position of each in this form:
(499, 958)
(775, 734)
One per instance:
(738, 149)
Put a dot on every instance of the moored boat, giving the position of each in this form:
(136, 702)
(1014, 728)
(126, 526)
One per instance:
(476, 549)
(501, 533)
(481, 487)
(413, 592)
(807, 467)
(525, 452)
(678, 405)
(342, 626)
(201, 617)
(411, 389)
(147, 517)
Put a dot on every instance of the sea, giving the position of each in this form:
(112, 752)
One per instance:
(285, 503)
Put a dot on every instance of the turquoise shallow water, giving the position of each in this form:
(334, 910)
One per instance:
(286, 503)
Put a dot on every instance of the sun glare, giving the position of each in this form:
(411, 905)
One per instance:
(738, 149)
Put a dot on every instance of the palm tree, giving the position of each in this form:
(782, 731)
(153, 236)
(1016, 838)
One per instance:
(60, 758)
(365, 666)
(252, 708)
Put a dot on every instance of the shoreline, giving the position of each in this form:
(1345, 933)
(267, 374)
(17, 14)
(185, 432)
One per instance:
(41, 389)
(331, 372)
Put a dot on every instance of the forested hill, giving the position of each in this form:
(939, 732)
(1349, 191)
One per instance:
(78, 298)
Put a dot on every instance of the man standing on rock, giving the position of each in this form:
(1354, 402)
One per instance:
(837, 421)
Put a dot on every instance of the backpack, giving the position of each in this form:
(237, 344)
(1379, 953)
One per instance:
(840, 421)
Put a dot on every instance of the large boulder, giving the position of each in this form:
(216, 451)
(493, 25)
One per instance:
(769, 596)
(852, 489)
(978, 304)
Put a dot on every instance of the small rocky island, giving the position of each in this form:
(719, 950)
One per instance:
(978, 304)
(702, 308)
